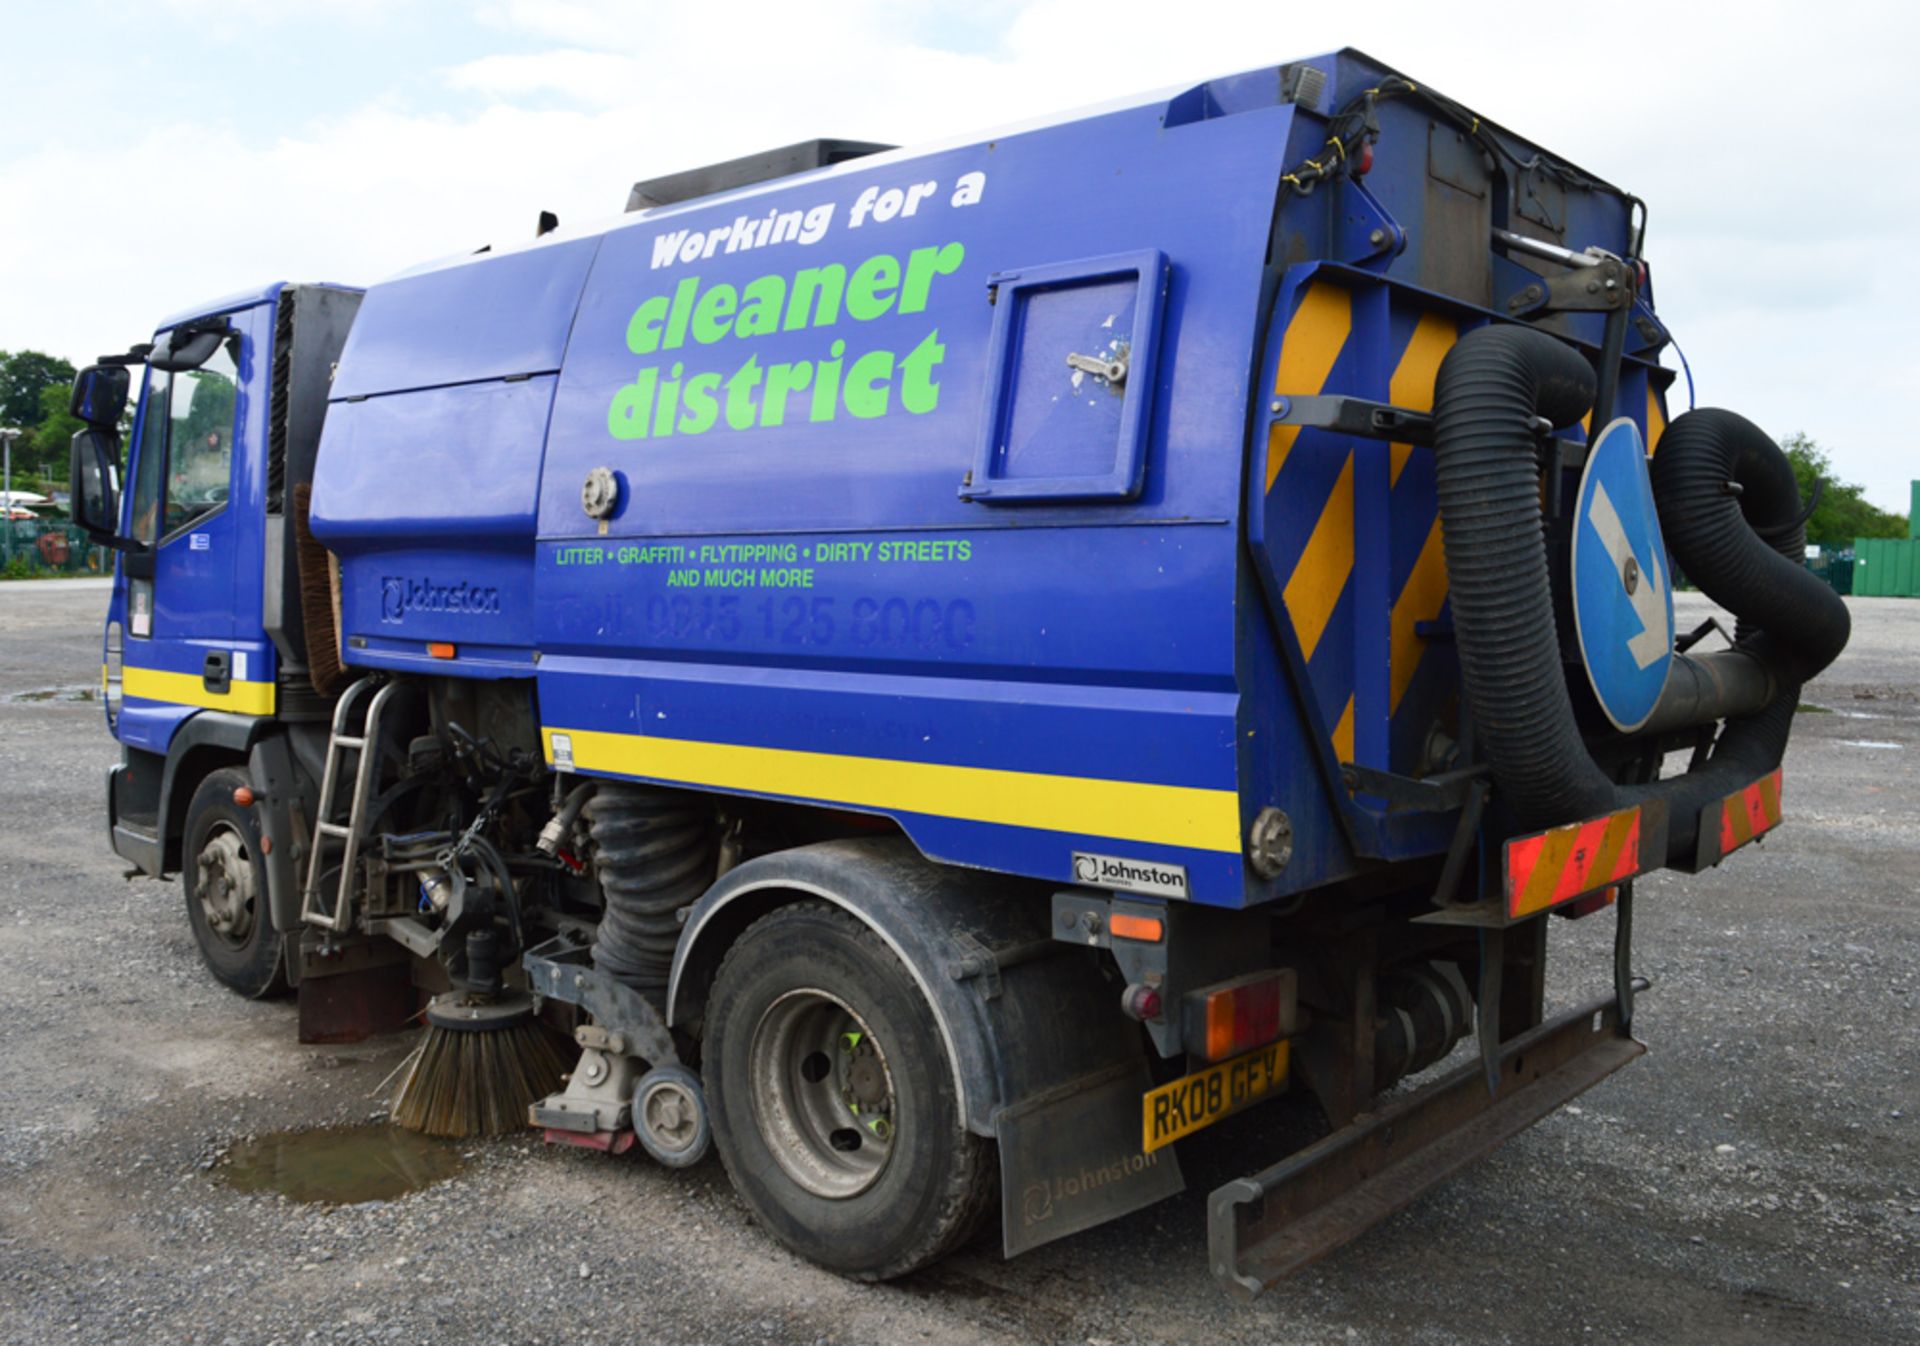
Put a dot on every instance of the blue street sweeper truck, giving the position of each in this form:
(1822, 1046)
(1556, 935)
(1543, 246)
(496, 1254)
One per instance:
(937, 674)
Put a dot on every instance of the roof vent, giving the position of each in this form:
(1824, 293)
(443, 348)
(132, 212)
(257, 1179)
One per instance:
(744, 172)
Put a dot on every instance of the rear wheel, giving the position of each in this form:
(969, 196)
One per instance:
(225, 881)
(832, 1098)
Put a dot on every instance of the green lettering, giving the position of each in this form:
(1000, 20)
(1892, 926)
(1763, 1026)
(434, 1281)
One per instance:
(643, 332)
(760, 306)
(867, 390)
(669, 404)
(682, 310)
(632, 407)
(923, 264)
(781, 380)
(702, 408)
(826, 384)
(919, 392)
(713, 313)
(870, 292)
(740, 394)
(817, 288)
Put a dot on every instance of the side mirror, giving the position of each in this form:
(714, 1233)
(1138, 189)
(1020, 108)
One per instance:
(100, 395)
(94, 480)
(190, 345)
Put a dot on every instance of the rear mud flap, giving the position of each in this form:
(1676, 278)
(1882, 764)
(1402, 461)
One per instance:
(1263, 1228)
(1070, 1158)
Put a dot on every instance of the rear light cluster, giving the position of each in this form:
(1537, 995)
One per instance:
(1239, 1015)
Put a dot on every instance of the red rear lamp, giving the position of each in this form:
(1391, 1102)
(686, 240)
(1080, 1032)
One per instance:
(1239, 1015)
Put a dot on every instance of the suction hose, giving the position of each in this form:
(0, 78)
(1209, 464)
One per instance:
(1741, 544)
(654, 853)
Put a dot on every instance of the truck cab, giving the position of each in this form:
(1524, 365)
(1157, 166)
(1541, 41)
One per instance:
(203, 652)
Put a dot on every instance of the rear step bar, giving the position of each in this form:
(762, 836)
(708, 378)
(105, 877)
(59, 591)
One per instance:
(1264, 1228)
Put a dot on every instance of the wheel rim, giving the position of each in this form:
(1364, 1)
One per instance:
(822, 1093)
(670, 1115)
(223, 883)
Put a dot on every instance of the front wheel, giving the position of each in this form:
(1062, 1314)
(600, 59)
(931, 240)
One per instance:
(833, 1101)
(225, 881)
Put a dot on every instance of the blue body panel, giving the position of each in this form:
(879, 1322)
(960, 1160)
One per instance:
(878, 545)
(206, 594)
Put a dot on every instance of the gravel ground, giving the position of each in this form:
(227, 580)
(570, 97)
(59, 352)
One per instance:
(1755, 1178)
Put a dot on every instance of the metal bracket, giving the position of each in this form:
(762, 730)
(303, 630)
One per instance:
(1431, 794)
(1366, 235)
(1355, 416)
(562, 969)
(1604, 287)
(1269, 1225)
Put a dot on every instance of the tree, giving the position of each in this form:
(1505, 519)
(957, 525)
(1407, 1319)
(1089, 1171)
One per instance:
(23, 375)
(51, 438)
(1843, 514)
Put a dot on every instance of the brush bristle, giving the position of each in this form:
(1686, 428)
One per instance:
(478, 1082)
(319, 608)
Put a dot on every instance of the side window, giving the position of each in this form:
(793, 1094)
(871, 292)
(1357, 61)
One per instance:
(201, 407)
(150, 458)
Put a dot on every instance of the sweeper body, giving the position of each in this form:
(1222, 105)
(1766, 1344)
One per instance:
(940, 674)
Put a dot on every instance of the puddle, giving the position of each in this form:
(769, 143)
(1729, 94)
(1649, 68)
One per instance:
(51, 694)
(340, 1166)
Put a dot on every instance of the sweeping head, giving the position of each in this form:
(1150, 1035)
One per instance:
(483, 1061)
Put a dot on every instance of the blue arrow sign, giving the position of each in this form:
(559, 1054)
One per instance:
(1622, 598)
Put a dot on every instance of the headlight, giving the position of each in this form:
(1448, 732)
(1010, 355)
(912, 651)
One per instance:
(110, 673)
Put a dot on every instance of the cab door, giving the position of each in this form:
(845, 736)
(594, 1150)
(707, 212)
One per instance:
(194, 639)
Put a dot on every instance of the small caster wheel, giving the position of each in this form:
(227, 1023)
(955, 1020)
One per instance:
(670, 1116)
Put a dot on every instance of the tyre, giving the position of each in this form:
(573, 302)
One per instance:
(225, 881)
(832, 1098)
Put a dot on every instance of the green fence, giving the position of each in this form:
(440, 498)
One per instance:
(31, 547)
(1886, 567)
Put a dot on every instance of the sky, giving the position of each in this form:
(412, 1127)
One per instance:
(157, 156)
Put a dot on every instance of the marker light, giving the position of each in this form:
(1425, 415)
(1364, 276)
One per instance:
(110, 673)
(1147, 928)
(440, 649)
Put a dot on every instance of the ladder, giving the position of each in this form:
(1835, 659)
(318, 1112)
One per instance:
(367, 700)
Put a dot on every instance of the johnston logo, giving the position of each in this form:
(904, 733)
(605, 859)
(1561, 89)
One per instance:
(1130, 876)
(399, 596)
(1039, 1200)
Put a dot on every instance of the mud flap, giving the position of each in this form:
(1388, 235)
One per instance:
(1268, 1226)
(1070, 1158)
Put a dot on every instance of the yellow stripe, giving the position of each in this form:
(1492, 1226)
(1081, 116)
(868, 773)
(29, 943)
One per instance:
(1420, 600)
(1600, 873)
(1735, 809)
(1412, 383)
(189, 689)
(1343, 734)
(1553, 858)
(1656, 421)
(1315, 334)
(1166, 815)
(1314, 587)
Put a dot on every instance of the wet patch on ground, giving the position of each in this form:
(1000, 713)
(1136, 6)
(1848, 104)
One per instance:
(339, 1166)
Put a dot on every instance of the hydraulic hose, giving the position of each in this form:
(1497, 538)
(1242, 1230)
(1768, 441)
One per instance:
(1491, 386)
(654, 853)
(1730, 510)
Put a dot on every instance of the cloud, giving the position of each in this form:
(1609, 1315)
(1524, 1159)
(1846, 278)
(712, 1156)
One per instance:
(1776, 193)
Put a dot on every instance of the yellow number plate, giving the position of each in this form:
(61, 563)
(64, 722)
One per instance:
(1204, 1097)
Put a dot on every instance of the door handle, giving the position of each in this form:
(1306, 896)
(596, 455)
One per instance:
(214, 672)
